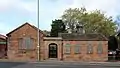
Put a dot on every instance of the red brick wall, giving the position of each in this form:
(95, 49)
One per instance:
(3, 48)
(84, 56)
(59, 48)
(14, 52)
(31, 55)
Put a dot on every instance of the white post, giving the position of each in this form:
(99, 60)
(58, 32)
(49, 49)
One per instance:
(38, 32)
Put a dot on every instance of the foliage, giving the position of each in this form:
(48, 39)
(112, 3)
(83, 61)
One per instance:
(92, 22)
(47, 33)
(57, 27)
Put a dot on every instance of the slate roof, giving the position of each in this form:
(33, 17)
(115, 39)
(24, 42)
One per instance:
(83, 37)
(2, 36)
(2, 39)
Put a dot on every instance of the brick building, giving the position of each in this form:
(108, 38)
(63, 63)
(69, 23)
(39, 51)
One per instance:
(3, 46)
(22, 45)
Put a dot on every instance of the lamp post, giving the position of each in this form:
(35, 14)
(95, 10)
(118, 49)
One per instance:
(38, 46)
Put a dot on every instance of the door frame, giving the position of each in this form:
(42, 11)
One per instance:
(49, 50)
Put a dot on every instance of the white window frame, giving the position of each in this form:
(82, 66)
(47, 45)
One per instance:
(89, 48)
(25, 43)
(77, 49)
(67, 49)
(100, 48)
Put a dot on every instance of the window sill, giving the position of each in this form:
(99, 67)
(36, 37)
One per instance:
(89, 53)
(67, 53)
(77, 53)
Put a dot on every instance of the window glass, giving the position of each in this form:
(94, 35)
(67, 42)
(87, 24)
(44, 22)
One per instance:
(20, 45)
(67, 49)
(77, 49)
(99, 48)
(26, 43)
(89, 48)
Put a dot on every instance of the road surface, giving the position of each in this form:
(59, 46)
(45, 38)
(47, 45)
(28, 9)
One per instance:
(57, 65)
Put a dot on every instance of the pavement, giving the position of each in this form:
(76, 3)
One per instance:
(59, 64)
(81, 63)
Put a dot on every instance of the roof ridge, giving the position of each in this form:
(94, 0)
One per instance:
(22, 26)
(88, 36)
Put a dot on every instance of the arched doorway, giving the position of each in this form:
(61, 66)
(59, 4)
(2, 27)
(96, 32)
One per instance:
(53, 50)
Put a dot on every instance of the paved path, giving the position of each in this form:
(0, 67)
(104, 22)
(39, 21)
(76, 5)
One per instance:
(59, 65)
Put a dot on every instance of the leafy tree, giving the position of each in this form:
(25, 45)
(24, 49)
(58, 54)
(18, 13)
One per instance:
(57, 27)
(117, 34)
(93, 21)
(47, 33)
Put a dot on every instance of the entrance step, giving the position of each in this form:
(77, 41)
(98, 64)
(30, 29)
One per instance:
(52, 60)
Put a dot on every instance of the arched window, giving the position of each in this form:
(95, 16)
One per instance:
(77, 49)
(89, 48)
(67, 48)
(100, 48)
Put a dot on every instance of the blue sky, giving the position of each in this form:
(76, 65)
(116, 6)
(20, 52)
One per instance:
(13, 13)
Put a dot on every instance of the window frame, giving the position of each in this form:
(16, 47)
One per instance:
(20, 44)
(89, 48)
(67, 48)
(100, 48)
(78, 47)
(23, 43)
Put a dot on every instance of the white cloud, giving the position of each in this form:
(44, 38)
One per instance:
(29, 6)
(111, 7)
(5, 4)
(55, 8)
(3, 30)
(26, 10)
